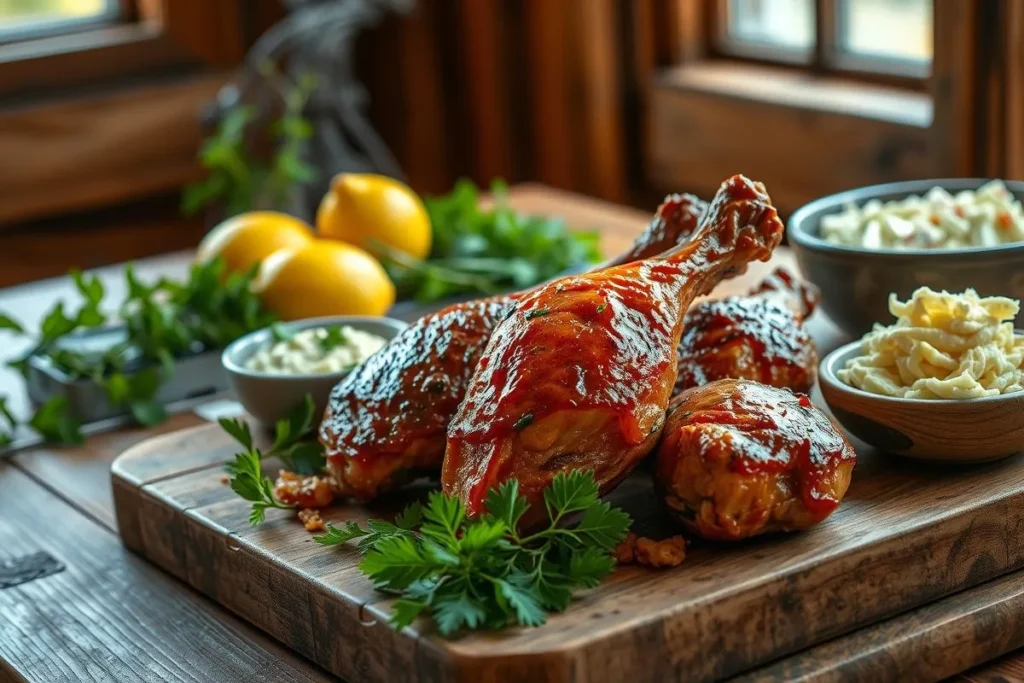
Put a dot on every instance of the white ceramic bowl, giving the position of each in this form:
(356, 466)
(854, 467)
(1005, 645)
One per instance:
(268, 397)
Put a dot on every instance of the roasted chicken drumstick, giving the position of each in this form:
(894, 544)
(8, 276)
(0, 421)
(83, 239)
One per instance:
(579, 374)
(739, 458)
(759, 336)
(388, 418)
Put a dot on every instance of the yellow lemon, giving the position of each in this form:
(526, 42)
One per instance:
(369, 210)
(323, 277)
(250, 237)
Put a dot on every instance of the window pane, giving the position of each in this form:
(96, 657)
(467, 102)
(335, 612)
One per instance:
(891, 29)
(787, 24)
(31, 17)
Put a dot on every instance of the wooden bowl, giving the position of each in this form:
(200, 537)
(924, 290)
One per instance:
(969, 430)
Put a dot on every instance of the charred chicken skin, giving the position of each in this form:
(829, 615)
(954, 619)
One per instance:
(388, 418)
(739, 458)
(760, 336)
(579, 373)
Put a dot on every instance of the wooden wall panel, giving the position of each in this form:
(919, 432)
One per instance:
(954, 79)
(777, 145)
(426, 105)
(75, 155)
(487, 89)
(517, 89)
(546, 51)
(602, 56)
(1014, 89)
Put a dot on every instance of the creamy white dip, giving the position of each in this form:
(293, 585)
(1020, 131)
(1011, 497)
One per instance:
(316, 351)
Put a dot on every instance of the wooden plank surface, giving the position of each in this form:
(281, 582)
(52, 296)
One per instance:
(903, 537)
(109, 616)
(906, 535)
(81, 475)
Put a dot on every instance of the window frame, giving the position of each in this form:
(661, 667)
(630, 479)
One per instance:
(82, 80)
(825, 57)
(968, 103)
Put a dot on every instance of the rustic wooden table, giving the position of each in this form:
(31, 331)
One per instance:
(110, 616)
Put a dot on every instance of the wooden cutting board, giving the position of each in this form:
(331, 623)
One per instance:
(907, 534)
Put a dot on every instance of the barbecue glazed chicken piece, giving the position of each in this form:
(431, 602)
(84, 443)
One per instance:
(579, 374)
(759, 336)
(739, 458)
(386, 421)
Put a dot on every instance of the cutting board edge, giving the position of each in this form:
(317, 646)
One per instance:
(428, 655)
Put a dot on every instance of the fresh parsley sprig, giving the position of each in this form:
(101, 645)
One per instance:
(479, 250)
(470, 573)
(8, 424)
(298, 455)
(164, 321)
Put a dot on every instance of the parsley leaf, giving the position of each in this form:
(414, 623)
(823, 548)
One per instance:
(55, 422)
(7, 423)
(303, 457)
(505, 503)
(9, 323)
(469, 573)
(346, 533)
(486, 250)
(333, 338)
(279, 333)
(249, 483)
(238, 430)
(454, 610)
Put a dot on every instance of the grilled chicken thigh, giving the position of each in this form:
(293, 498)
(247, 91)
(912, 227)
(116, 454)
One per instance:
(759, 336)
(739, 458)
(387, 419)
(579, 374)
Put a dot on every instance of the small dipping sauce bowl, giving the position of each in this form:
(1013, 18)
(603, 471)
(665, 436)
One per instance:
(269, 396)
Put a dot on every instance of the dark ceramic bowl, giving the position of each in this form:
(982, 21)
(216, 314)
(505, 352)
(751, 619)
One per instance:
(855, 283)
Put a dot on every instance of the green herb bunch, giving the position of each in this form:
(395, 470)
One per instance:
(164, 321)
(487, 250)
(297, 455)
(470, 573)
(239, 180)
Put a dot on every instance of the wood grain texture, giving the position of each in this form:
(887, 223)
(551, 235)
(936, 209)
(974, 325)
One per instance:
(923, 645)
(905, 536)
(797, 161)
(600, 105)
(32, 68)
(101, 149)
(944, 431)
(954, 86)
(547, 54)
(50, 248)
(1007, 669)
(902, 538)
(111, 617)
(488, 89)
(426, 142)
(257, 592)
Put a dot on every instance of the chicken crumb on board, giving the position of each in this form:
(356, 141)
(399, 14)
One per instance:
(311, 519)
(313, 491)
(634, 549)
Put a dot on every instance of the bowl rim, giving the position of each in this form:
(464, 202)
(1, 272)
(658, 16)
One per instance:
(826, 376)
(232, 366)
(801, 236)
